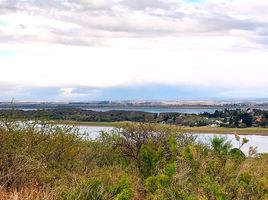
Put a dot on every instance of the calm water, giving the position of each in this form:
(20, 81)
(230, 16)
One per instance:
(185, 110)
(94, 131)
(254, 140)
(24, 109)
(259, 141)
(188, 110)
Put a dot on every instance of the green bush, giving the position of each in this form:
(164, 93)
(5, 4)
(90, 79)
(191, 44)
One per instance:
(94, 189)
(137, 161)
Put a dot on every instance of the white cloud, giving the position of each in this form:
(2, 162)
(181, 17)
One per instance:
(61, 66)
(101, 43)
(66, 91)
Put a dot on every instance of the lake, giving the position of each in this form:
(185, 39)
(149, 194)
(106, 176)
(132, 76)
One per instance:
(254, 140)
(24, 109)
(152, 109)
(259, 141)
(186, 110)
(93, 131)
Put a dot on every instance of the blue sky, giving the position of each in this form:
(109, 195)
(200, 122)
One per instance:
(124, 49)
(7, 53)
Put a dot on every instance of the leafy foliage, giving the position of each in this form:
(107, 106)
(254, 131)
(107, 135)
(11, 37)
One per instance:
(136, 161)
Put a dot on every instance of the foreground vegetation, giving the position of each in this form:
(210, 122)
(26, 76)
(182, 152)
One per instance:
(136, 161)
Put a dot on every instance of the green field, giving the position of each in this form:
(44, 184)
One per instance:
(200, 129)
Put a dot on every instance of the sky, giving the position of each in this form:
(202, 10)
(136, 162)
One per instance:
(87, 50)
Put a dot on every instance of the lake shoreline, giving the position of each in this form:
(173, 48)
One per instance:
(194, 130)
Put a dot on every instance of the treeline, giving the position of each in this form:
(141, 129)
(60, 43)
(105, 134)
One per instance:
(239, 118)
(135, 162)
(80, 115)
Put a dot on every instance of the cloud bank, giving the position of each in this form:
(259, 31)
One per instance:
(56, 46)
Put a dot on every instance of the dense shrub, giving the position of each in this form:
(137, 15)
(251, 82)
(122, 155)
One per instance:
(136, 161)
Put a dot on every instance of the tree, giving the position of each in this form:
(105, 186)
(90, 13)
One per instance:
(247, 119)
